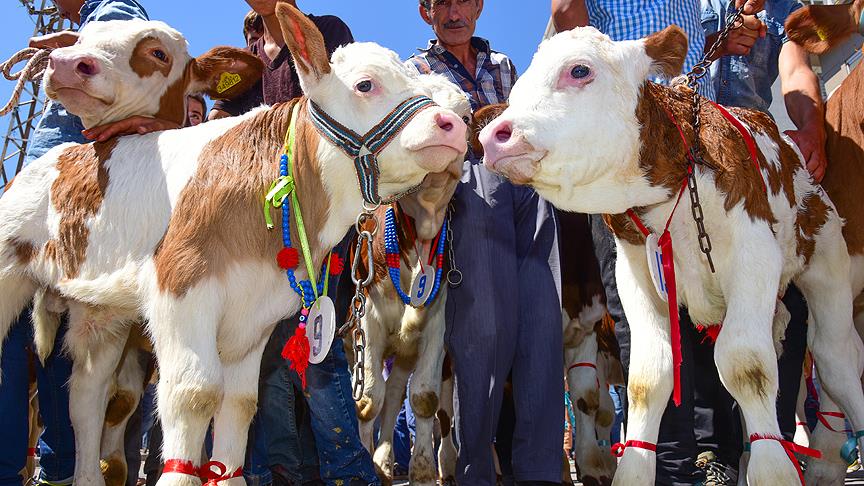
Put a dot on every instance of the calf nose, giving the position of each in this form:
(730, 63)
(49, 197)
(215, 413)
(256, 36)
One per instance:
(446, 121)
(503, 132)
(82, 65)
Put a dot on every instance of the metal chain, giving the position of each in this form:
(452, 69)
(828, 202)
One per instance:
(733, 21)
(358, 302)
(454, 275)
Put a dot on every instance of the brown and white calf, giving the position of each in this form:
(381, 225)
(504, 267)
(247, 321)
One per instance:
(170, 225)
(819, 28)
(117, 69)
(588, 132)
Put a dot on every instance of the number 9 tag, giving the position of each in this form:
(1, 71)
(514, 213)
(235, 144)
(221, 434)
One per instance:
(320, 328)
(421, 287)
(655, 265)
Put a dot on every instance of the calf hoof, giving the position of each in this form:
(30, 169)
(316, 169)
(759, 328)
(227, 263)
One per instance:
(592, 481)
(448, 481)
(422, 471)
(114, 471)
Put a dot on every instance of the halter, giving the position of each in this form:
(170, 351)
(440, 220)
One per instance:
(365, 149)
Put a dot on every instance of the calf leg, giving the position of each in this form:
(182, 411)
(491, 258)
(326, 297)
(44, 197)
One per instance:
(95, 340)
(829, 470)
(650, 370)
(424, 392)
(130, 387)
(447, 449)
(585, 397)
(383, 457)
(239, 403)
(190, 378)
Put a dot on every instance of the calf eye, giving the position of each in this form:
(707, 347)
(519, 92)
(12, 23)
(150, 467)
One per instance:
(364, 86)
(160, 54)
(580, 71)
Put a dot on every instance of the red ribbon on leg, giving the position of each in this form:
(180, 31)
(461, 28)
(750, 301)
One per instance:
(618, 449)
(791, 448)
(212, 477)
(180, 466)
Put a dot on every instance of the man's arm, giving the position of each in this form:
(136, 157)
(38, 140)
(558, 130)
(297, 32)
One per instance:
(54, 41)
(804, 104)
(216, 114)
(568, 14)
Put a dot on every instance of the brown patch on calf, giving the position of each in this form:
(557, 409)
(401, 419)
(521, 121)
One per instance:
(604, 418)
(667, 48)
(77, 194)
(119, 407)
(621, 226)
(114, 470)
(246, 405)
(820, 28)
(422, 470)
(444, 420)
(607, 342)
(663, 152)
(172, 104)
(365, 409)
(24, 250)
(844, 177)
(580, 271)
(479, 120)
(589, 402)
(637, 394)
(199, 401)
(812, 215)
(424, 404)
(144, 63)
(217, 220)
(748, 375)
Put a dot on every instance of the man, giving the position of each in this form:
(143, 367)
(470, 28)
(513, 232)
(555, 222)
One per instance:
(329, 405)
(196, 106)
(635, 19)
(57, 446)
(505, 315)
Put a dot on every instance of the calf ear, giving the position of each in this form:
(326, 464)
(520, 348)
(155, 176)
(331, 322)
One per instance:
(224, 72)
(821, 28)
(482, 117)
(306, 44)
(667, 49)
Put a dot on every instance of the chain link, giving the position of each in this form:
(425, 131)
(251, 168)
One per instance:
(454, 275)
(694, 158)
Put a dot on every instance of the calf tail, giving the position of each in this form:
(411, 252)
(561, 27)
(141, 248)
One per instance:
(46, 322)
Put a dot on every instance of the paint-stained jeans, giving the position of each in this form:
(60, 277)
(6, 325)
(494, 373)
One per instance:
(57, 444)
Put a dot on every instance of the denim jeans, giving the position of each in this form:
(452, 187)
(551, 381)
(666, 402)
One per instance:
(256, 471)
(57, 443)
(403, 434)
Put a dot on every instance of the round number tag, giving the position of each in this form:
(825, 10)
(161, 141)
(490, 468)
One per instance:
(655, 264)
(421, 287)
(320, 328)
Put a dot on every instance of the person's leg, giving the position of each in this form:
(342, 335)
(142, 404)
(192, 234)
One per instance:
(14, 397)
(153, 463)
(504, 436)
(791, 362)
(334, 421)
(57, 444)
(132, 445)
(402, 441)
(256, 470)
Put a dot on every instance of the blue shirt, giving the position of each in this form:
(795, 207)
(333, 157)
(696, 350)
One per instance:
(635, 19)
(57, 125)
(490, 84)
(746, 81)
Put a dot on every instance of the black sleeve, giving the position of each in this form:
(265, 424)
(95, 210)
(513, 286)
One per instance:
(253, 97)
(336, 33)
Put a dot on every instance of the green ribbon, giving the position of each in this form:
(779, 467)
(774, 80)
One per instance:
(285, 187)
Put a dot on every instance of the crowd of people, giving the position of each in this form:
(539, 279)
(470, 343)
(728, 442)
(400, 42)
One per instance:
(309, 437)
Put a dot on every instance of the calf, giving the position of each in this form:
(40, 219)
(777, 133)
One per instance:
(591, 135)
(117, 69)
(170, 224)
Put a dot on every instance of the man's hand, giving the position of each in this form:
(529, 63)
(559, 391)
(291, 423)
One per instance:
(741, 39)
(130, 126)
(752, 7)
(811, 141)
(55, 40)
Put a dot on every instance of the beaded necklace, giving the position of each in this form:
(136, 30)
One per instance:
(391, 248)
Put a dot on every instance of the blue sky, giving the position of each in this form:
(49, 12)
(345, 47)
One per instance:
(391, 23)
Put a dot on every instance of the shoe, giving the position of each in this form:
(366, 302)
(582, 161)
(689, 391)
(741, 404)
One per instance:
(856, 465)
(716, 473)
(45, 482)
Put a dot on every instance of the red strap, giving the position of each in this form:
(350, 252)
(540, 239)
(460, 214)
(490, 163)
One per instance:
(748, 140)
(180, 466)
(665, 244)
(791, 448)
(803, 424)
(618, 448)
(586, 364)
(31, 452)
(214, 471)
(821, 416)
(711, 332)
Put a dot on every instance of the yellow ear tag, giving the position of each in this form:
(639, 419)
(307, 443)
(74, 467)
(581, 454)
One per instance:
(822, 35)
(227, 81)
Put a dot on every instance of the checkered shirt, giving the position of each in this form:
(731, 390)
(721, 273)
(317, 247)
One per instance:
(494, 77)
(635, 19)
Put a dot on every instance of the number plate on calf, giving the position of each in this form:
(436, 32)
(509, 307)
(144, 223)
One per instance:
(320, 329)
(421, 287)
(655, 265)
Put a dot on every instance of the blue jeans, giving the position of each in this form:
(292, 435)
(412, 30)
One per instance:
(403, 434)
(256, 471)
(57, 443)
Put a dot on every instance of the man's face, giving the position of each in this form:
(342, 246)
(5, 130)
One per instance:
(263, 8)
(194, 112)
(69, 9)
(453, 21)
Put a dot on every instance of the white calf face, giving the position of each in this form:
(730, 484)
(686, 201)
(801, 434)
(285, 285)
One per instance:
(572, 120)
(117, 69)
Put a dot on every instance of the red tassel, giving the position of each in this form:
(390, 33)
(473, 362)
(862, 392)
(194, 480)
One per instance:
(336, 265)
(287, 258)
(711, 332)
(297, 351)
